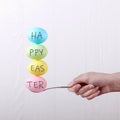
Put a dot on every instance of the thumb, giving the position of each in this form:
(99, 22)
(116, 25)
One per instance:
(81, 81)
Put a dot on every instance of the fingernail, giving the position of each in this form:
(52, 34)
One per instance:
(91, 86)
(98, 92)
(71, 89)
(97, 88)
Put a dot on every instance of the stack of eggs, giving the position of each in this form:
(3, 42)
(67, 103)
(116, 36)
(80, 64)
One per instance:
(37, 67)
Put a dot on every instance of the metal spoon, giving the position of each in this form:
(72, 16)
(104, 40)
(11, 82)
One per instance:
(57, 87)
(82, 84)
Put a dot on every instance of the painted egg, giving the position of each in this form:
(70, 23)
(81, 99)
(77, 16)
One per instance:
(37, 35)
(36, 84)
(37, 67)
(36, 52)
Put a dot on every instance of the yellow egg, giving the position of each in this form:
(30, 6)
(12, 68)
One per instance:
(37, 68)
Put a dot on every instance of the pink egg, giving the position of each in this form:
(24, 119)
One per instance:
(36, 84)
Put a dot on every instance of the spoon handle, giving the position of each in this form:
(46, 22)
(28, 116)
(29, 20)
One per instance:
(82, 84)
(57, 87)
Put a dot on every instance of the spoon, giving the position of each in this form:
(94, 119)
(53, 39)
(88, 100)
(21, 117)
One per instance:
(57, 87)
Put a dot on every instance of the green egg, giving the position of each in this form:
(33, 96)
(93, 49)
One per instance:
(37, 52)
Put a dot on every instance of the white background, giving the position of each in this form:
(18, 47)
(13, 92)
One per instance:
(84, 35)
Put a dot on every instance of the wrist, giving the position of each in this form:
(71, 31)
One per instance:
(115, 82)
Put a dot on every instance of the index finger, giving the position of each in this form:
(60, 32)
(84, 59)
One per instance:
(79, 80)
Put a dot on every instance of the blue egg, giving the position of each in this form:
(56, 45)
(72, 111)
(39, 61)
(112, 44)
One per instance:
(37, 35)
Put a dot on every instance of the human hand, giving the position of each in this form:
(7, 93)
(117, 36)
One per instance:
(95, 84)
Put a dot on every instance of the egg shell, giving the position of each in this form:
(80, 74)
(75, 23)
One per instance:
(36, 52)
(36, 84)
(37, 35)
(37, 68)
